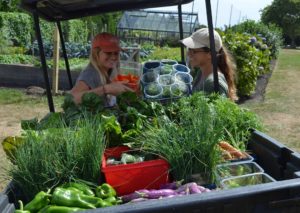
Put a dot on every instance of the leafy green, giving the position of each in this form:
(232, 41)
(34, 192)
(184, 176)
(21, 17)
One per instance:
(92, 102)
(186, 132)
(237, 122)
(30, 124)
(187, 143)
(56, 155)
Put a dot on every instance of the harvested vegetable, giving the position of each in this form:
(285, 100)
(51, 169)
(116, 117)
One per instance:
(230, 151)
(173, 185)
(105, 191)
(144, 194)
(40, 200)
(67, 197)
(59, 209)
(85, 189)
(21, 210)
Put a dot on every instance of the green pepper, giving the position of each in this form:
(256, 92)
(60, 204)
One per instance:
(105, 203)
(68, 197)
(105, 191)
(59, 209)
(75, 190)
(113, 200)
(80, 186)
(21, 210)
(40, 200)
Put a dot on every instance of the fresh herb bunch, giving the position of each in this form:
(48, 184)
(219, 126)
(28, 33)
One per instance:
(53, 156)
(238, 122)
(187, 143)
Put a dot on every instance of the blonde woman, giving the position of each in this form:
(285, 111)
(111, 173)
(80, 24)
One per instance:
(200, 59)
(97, 76)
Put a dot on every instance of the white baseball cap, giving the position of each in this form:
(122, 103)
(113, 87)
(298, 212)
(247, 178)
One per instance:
(200, 39)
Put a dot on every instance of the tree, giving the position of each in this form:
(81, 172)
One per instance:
(9, 5)
(100, 23)
(286, 15)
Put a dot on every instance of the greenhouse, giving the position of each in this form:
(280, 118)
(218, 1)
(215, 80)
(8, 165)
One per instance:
(155, 26)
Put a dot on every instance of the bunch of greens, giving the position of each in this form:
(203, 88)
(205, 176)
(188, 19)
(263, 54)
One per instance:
(91, 105)
(186, 132)
(187, 143)
(50, 157)
(237, 122)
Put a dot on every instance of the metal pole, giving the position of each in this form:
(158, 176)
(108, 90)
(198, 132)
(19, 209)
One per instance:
(192, 17)
(181, 31)
(43, 61)
(217, 10)
(230, 16)
(65, 54)
(212, 45)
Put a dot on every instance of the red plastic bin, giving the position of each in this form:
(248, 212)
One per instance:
(127, 178)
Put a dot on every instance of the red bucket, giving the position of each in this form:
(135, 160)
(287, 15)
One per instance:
(127, 178)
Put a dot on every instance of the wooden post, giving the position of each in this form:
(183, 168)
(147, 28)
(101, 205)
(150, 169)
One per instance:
(55, 72)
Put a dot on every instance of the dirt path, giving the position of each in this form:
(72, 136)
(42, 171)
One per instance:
(10, 125)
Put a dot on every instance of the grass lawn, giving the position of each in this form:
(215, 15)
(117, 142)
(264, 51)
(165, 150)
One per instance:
(281, 106)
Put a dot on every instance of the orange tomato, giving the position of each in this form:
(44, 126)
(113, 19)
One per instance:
(132, 80)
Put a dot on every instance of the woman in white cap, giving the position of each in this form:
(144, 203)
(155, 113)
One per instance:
(97, 76)
(199, 54)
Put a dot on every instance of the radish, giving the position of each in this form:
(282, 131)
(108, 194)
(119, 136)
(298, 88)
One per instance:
(174, 185)
(154, 194)
(186, 188)
(201, 188)
(194, 188)
(136, 200)
(132, 196)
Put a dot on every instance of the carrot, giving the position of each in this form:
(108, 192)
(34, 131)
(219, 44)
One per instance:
(238, 154)
(226, 154)
(233, 151)
(227, 146)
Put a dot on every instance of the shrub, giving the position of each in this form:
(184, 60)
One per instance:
(18, 27)
(18, 59)
(251, 60)
(77, 31)
(270, 33)
(4, 43)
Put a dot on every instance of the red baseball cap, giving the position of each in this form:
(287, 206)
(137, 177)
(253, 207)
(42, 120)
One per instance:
(106, 42)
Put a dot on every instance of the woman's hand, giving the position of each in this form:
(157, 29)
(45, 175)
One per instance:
(117, 88)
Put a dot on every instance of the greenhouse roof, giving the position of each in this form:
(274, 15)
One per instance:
(163, 21)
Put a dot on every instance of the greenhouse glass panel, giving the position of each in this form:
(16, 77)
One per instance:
(155, 25)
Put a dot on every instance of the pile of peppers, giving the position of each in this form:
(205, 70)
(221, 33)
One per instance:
(71, 197)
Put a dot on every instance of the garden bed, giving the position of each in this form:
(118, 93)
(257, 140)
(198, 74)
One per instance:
(22, 76)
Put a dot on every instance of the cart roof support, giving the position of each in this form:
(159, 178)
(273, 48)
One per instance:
(212, 45)
(65, 53)
(43, 61)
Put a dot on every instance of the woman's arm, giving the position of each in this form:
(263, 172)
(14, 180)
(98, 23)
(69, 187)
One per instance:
(114, 88)
(81, 88)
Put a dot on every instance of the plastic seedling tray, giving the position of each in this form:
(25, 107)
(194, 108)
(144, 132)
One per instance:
(247, 158)
(224, 171)
(246, 180)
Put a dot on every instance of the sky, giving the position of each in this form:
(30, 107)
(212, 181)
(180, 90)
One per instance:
(230, 12)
